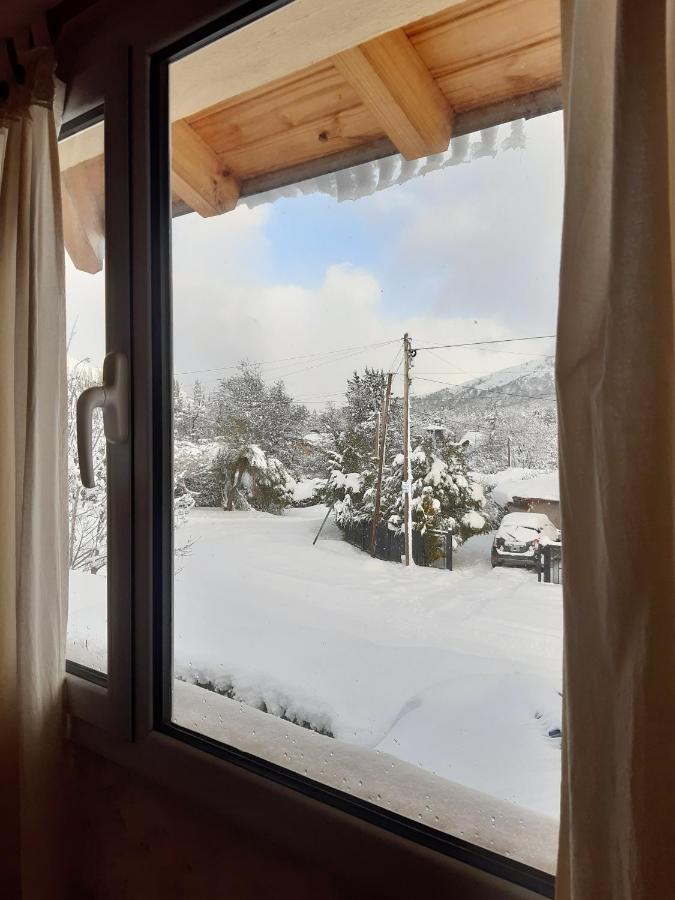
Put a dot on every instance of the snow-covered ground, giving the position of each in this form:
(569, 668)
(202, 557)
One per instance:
(458, 674)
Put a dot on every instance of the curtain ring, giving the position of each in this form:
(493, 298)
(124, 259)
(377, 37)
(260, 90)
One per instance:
(17, 68)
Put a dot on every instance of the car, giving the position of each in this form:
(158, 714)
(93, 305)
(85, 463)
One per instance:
(519, 538)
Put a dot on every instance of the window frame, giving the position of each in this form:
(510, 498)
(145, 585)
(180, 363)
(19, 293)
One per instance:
(104, 698)
(126, 719)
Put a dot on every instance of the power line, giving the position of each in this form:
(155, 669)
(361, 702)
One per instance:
(519, 352)
(323, 362)
(284, 359)
(399, 352)
(447, 362)
(397, 358)
(540, 337)
(464, 372)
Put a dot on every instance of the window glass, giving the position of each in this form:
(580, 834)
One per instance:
(82, 188)
(363, 336)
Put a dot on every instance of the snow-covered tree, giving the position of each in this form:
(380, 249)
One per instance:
(87, 507)
(444, 496)
(194, 474)
(352, 468)
(250, 478)
(247, 411)
(191, 418)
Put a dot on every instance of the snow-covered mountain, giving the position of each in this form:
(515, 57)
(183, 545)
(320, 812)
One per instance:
(508, 417)
(527, 382)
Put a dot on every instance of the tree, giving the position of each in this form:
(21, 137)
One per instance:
(247, 411)
(87, 507)
(352, 464)
(194, 475)
(444, 496)
(249, 478)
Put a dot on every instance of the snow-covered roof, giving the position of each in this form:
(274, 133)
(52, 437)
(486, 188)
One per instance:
(528, 484)
(542, 487)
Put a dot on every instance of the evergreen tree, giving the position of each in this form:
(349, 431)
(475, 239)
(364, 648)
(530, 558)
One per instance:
(444, 495)
(353, 463)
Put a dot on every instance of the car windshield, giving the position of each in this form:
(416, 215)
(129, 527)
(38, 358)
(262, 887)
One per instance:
(532, 521)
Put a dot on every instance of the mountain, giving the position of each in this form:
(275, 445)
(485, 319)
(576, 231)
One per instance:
(508, 417)
(527, 382)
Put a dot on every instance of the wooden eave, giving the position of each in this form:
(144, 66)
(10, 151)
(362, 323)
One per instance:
(471, 65)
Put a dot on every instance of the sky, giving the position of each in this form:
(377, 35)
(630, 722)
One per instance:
(307, 285)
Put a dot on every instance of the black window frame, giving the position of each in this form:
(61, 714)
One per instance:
(157, 130)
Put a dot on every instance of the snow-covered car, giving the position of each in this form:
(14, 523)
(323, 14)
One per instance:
(519, 538)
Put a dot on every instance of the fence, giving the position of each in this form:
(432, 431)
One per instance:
(549, 564)
(431, 549)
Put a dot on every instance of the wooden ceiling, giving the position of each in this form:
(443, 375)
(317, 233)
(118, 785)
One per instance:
(401, 91)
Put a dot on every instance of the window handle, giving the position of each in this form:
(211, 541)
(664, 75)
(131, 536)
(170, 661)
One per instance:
(113, 397)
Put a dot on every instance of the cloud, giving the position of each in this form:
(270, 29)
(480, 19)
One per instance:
(288, 327)
(469, 253)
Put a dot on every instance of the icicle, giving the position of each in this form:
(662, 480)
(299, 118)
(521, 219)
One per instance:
(432, 164)
(345, 185)
(408, 170)
(487, 146)
(386, 172)
(368, 178)
(460, 148)
(365, 179)
(516, 139)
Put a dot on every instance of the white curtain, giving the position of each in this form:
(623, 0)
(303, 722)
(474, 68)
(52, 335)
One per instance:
(616, 385)
(33, 559)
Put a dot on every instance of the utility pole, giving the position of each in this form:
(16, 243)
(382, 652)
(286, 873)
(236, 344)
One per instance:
(407, 481)
(383, 418)
(378, 429)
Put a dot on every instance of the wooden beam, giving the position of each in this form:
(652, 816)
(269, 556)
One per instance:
(83, 204)
(198, 177)
(293, 37)
(397, 87)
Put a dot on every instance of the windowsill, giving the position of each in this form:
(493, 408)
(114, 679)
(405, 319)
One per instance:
(373, 776)
(340, 843)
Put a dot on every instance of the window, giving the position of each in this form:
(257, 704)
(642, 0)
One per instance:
(431, 695)
(290, 253)
(83, 197)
